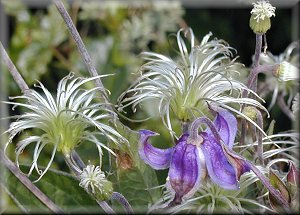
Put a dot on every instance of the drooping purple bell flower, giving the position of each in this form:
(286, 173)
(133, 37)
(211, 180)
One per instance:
(195, 153)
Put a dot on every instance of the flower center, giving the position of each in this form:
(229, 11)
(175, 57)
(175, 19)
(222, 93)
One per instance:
(66, 131)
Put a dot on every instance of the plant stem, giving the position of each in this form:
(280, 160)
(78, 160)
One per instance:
(73, 166)
(258, 46)
(271, 189)
(93, 72)
(243, 132)
(259, 137)
(252, 82)
(253, 73)
(263, 179)
(82, 50)
(285, 109)
(27, 183)
(13, 70)
(77, 159)
(185, 126)
(252, 78)
(106, 207)
(123, 201)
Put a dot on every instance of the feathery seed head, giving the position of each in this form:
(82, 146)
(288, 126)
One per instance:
(204, 73)
(63, 121)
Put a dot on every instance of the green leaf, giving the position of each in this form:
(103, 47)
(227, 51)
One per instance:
(132, 147)
(63, 189)
(22, 195)
(278, 184)
(136, 185)
(134, 179)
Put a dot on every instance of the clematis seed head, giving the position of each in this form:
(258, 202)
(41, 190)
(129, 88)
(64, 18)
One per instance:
(62, 121)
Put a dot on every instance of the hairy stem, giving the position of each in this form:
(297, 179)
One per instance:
(13, 70)
(258, 45)
(264, 180)
(106, 207)
(123, 201)
(251, 82)
(252, 78)
(27, 183)
(271, 189)
(285, 109)
(72, 165)
(260, 149)
(185, 126)
(77, 159)
(81, 47)
(243, 132)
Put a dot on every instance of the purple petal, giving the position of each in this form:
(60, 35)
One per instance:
(239, 163)
(226, 125)
(219, 169)
(155, 157)
(185, 170)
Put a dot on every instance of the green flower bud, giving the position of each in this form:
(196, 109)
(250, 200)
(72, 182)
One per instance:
(93, 180)
(250, 112)
(286, 72)
(260, 21)
(260, 27)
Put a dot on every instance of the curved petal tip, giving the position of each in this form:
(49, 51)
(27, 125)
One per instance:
(147, 133)
(155, 157)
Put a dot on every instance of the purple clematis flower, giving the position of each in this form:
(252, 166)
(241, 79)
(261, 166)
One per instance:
(196, 153)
